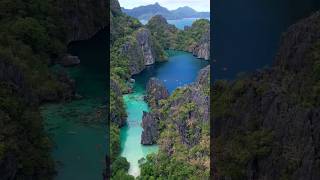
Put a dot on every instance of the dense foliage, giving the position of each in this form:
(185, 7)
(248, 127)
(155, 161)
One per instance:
(169, 37)
(121, 27)
(192, 35)
(165, 33)
(32, 35)
(265, 123)
(184, 136)
(23, 142)
(190, 159)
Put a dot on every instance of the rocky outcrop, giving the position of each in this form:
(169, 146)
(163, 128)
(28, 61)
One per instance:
(140, 50)
(150, 127)
(143, 37)
(187, 109)
(115, 8)
(83, 18)
(69, 60)
(116, 115)
(296, 43)
(272, 118)
(202, 48)
(156, 91)
(203, 78)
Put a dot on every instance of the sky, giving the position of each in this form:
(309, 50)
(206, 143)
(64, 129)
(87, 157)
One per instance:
(198, 5)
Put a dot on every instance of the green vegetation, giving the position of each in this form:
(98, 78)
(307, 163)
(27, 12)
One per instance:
(191, 36)
(188, 160)
(169, 37)
(32, 35)
(183, 153)
(235, 153)
(122, 28)
(165, 33)
(22, 138)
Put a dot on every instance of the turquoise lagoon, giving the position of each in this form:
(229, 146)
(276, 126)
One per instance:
(180, 69)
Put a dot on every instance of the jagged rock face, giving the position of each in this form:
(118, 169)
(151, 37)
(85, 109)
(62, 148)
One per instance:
(114, 117)
(143, 37)
(150, 132)
(68, 85)
(280, 101)
(139, 50)
(202, 49)
(115, 7)
(194, 97)
(203, 78)
(156, 91)
(297, 41)
(83, 18)
(13, 74)
(135, 57)
(69, 60)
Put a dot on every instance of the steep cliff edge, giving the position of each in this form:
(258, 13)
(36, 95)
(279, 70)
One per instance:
(202, 48)
(266, 126)
(83, 18)
(140, 50)
(156, 91)
(194, 39)
(182, 122)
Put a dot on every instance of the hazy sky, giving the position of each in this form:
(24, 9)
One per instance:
(198, 5)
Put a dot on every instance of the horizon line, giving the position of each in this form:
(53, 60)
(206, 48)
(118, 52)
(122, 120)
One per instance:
(164, 7)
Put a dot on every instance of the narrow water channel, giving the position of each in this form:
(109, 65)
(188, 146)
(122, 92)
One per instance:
(78, 128)
(181, 68)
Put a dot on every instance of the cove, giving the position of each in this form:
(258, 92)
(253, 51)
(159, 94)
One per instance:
(181, 68)
(78, 128)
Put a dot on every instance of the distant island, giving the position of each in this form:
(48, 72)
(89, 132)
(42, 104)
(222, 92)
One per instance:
(148, 11)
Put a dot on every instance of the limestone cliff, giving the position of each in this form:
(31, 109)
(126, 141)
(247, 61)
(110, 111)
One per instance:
(266, 126)
(179, 124)
(83, 18)
(156, 91)
(194, 39)
(150, 127)
(140, 50)
(202, 48)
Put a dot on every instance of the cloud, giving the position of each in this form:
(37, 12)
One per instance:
(199, 5)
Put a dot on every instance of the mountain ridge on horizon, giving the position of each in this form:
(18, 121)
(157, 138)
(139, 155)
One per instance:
(147, 11)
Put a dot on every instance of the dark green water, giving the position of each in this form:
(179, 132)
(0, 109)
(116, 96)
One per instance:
(78, 128)
(181, 69)
(247, 32)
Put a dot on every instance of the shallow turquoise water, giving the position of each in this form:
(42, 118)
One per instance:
(131, 134)
(78, 128)
(181, 69)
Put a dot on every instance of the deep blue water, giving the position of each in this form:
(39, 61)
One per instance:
(247, 33)
(182, 68)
